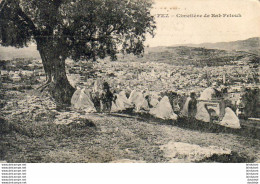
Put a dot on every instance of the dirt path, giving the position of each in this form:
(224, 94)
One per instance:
(146, 138)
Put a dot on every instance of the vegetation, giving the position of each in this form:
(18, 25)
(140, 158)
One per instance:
(77, 29)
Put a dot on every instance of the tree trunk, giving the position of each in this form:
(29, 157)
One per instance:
(60, 87)
(57, 81)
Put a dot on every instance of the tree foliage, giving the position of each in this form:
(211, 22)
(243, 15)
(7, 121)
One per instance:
(76, 29)
(79, 29)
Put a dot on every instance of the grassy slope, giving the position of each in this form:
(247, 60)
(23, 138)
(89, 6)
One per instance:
(104, 138)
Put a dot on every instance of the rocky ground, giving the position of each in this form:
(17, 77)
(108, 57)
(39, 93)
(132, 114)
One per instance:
(33, 130)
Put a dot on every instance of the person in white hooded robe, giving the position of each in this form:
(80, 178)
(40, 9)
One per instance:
(230, 119)
(163, 110)
(207, 94)
(153, 99)
(202, 112)
(81, 100)
(121, 102)
(138, 100)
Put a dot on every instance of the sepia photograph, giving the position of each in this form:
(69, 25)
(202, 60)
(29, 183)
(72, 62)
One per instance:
(129, 81)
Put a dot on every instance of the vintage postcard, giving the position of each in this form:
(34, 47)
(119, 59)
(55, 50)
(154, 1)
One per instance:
(130, 81)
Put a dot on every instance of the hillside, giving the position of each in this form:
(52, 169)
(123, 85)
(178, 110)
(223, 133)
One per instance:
(251, 45)
(205, 54)
(198, 56)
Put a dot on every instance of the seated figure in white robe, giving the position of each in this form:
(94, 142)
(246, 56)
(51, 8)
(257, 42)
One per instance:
(163, 110)
(202, 113)
(121, 103)
(138, 100)
(230, 119)
(153, 101)
(81, 100)
(207, 94)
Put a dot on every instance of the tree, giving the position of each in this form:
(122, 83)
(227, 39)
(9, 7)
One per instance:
(76, 29)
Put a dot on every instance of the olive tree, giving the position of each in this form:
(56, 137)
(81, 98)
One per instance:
(76, 29)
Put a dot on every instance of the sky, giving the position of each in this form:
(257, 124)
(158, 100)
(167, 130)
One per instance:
(174, 29)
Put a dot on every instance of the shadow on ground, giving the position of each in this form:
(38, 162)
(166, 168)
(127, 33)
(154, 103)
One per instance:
(234, 157)
(194, 124)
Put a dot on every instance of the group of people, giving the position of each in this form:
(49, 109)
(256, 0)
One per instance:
(211, 106)
(164, 106)
(103, 100)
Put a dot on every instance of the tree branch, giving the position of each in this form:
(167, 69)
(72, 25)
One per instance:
(57, 3)
(28, 20)
(21, 14)
(2, 5)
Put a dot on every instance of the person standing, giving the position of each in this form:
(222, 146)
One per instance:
(96, 96)
(192, 106)
(106, 98)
